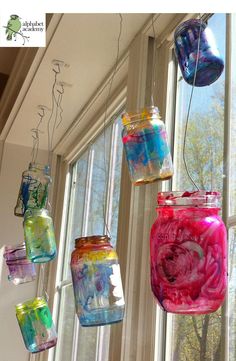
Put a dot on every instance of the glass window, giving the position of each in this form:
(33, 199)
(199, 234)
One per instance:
(93, 209)
(232, 203)
(198, 338)
(232, 293)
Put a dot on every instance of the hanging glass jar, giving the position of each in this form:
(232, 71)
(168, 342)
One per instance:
(33, 191)
(21, 270)
(210, 64)
(188, 253)
(146, 148)
(36, 325)
(97, 283)
(39, 236)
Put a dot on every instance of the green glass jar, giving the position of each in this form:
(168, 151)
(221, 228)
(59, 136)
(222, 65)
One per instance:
(36, 325)
(39, 236)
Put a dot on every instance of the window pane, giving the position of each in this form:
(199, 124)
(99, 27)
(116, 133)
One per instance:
(66, 325)
(87, 342)
(198, 338)
(95, 194)
(76, 211)
(100, 167)
(232, 294)
(232, 204)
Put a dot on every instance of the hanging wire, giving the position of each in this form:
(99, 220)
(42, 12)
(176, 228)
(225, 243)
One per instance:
(154, 61)
(59, 110)
(189, 107)
(36, 136)
(54, 100)
(42, 288)
(56, 110)
(105, 117)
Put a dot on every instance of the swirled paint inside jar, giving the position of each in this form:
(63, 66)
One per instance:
(21, 270)
(97, 283)
(146, 148)
(33, 191)
(39, 236)
(188, 253)
(36, 325)
(209, 63)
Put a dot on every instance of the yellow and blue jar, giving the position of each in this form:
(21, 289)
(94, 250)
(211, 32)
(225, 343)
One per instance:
(36, 325)
(97, 282)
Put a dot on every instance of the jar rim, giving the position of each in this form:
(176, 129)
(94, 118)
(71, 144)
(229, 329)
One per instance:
(13, 249)
(81, 241)
(30, 304)
(30, 212)
(42, 167)
(146, 113)
(200, 198)
(190, 22)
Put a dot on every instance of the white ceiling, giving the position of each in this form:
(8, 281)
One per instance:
(88, 44)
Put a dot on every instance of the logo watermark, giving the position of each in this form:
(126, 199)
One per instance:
(18, 30)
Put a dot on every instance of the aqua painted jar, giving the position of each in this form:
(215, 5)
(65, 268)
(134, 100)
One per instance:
(36, 325)
(210, 63)
(97, 282)
(146, 148)
(33, 191)
(188, 248)
(21, 270)
(39, 236)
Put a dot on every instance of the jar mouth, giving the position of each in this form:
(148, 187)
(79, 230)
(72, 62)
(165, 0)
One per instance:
(31, 212)
(189, 23)
(30, 304)
(96, 239)
(146, 113)
(42, 167)
(195, 198)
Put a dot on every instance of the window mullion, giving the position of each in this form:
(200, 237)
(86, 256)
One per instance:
(88, 190)
(226, 179)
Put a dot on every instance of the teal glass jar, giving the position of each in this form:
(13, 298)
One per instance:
(36, 325)
(33, 191)
(39, 236)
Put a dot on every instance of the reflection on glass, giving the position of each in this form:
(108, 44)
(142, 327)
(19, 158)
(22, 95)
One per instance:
(198, 338)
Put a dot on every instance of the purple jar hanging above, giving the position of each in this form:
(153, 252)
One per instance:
(210, 64)
(21, 270)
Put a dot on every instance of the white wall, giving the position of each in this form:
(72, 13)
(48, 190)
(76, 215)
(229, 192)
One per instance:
(15, 159)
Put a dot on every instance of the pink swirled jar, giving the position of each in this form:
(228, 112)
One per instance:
(188, 253)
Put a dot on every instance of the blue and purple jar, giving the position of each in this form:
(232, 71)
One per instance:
(146, 148)
(21, 269)
(210, 64)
